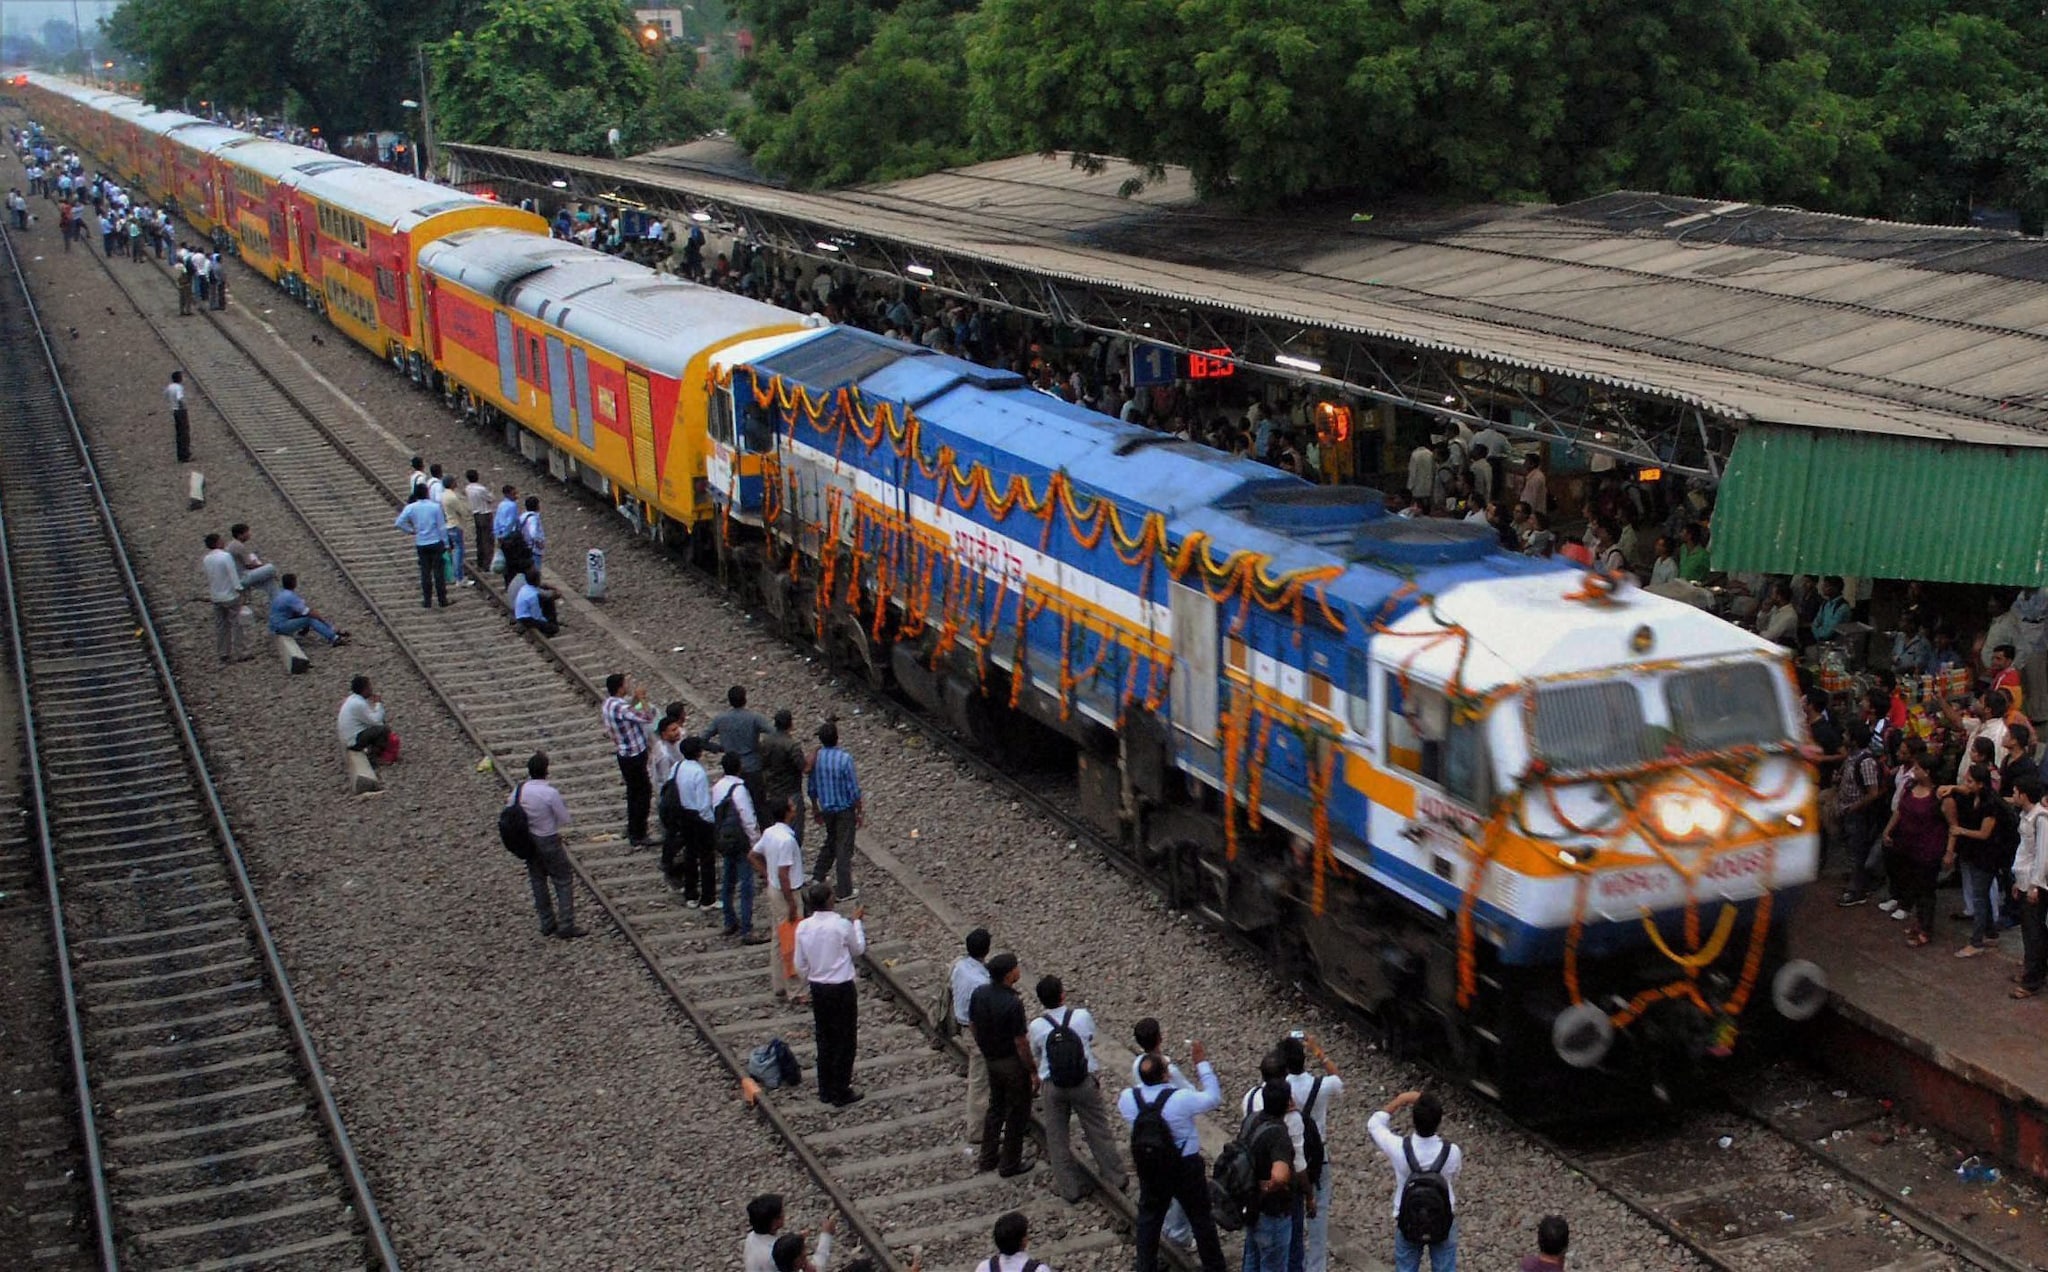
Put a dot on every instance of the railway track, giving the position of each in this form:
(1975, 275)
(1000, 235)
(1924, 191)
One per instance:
(207, 1137)
(1793, 1188)
(894, 1165)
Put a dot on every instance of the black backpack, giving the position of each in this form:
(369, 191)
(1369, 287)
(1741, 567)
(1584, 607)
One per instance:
(1066, 1056)
(2005, 833)
(732, 832)
(995, 1262)
(1234, 1180)
(669, 806)
(1424, 1213)
(1154, 1151)
(514, 828)
(1312, 1150)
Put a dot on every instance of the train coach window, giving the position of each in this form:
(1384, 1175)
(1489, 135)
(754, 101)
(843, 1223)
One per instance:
(720, 425)
(387, 283)
(1358, 692)
(1425, 737)
(757, 431)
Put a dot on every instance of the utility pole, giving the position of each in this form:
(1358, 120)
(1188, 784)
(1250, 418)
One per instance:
(426, 111)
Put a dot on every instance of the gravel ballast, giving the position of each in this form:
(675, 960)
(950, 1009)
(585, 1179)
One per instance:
(519, 1103)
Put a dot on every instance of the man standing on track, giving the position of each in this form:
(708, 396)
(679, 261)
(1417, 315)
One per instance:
(422, 516)
(505, 530)
(996, 1017)
(546, 815)
(224, 589)
(454, 511)
(181, 423)
(782, 865)
(835, 794)
(782, 771)
(478, 496)
(737, 732)
(826, 947)
(1169, 1166)
(626, 717)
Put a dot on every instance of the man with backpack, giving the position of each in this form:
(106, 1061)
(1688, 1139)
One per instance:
(1313, 1095)
(735, 831)
(1425, 1166)
(1166, 1151)
(1012, 1234)
(1256, 1175)
(687, 798)
(1062, 1042)
(536, 809)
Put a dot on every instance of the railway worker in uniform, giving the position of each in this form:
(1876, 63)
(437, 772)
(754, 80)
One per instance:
(970, 972)
(291, 616)
(531, 533)
(533, 605)
(782, 865)
(505, 531)
(782, 770)
(181, 421)
(835, 794)
(224, 589)
(1419, 1153)
(627, 713)
(996, 1016)
(1075, 1101)
(1314, 1093)
(546, 815)
(455, 512)
(422, 518)
(826, 946)
(697, 875)
(1182, 1176)
(478, 496)
(360, 723)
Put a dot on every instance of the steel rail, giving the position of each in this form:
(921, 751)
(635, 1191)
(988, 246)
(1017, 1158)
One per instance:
(302, 1039)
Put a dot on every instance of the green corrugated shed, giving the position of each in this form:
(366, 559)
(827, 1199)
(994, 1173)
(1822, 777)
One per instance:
(1820, 501)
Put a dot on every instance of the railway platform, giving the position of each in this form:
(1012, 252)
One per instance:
(1935, 1034)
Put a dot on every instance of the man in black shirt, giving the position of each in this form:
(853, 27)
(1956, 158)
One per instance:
(995, 1014)
(1269, 1221)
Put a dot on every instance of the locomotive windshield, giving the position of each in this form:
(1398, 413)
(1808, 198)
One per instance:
(1596, 725)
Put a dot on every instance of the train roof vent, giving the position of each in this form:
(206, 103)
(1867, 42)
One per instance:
(1298, 508)
(1423, 541)
(842, 356)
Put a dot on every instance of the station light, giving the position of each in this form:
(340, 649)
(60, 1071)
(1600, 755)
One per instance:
(823, 246)
(651, 33)
(922, 271)
(1299, 364)
(559, 184)
(701, 218)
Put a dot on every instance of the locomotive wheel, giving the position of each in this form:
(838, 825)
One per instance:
(849, 648)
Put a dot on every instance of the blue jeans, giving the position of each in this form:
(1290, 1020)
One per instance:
(1315, 1237)
(739, 873)
(458, 550)
(301, 625)
(1267, 1243)
(1981, 898)
(1442, 1258)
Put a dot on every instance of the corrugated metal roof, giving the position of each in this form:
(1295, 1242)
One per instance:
(1796, 500)
(1748, 313)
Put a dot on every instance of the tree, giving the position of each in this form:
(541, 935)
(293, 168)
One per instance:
(541, 75)
(2004, 146)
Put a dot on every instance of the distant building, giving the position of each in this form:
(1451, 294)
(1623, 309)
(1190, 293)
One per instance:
(668, 21)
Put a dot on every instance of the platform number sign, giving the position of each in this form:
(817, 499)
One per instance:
(1153, 366)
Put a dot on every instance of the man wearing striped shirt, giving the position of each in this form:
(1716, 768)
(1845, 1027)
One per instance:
(626, 717)
(834, 789)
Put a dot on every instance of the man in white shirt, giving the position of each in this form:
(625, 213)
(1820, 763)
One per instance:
(697, 874)
(224, 589)
(1076, 1099)
(1184, 1180)
(826, 947)
(731, 800)
(1422, 471)
(782, 866)
(1535, 486)
(1012, 1234)
(970, 973)
(1428, 1151)
(1314, 1093)
(481, 502)
(764, 1217)
(360, 723)
(2029, 879)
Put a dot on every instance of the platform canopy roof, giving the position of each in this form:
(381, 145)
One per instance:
(1655, 327)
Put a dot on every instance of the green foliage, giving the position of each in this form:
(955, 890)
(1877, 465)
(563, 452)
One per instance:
(541, 74)
(861, 94)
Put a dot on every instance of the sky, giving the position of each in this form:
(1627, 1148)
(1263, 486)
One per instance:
(28, 16)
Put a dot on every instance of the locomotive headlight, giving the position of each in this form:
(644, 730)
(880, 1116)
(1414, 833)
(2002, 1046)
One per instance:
(1688, 815)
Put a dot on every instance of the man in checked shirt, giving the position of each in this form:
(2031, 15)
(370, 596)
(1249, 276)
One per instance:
(627, 713)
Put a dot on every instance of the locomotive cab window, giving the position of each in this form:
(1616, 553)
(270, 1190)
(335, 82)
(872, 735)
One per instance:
(720, 425)
(1425, 738)
(756, 429)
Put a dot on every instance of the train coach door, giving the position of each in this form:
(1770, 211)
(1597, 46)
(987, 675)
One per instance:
(508, 360)
(640, 411)
(559, 389)
(1194, 663)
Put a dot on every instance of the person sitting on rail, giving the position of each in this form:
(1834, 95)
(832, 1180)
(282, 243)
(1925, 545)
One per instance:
(533, 605)
(291, 616)
(361, 720)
